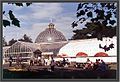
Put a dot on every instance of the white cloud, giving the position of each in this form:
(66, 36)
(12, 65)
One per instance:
(42, 11)
(13, 7)
(32, 22)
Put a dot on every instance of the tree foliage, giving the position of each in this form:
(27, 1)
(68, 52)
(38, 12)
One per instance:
(11, 42)
(93, 31)
(12, 19)
(101, 18)
(6, 23)
(26, 39)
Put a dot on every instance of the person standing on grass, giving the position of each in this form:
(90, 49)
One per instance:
(96, 64)
(17, 60)
(67, 61)
(88, 64)
(31, 61)
(52, 65)
(64, 62)
(10, 61)
(39, 60)
(103, 67)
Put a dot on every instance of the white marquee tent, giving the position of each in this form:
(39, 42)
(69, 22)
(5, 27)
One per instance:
(88, 46)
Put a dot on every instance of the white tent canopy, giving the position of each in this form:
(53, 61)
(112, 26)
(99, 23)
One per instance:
(89, 46)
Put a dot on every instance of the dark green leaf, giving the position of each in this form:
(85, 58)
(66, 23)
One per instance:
(16, 22)
(89, 7)
(84, 19)
(79, 6)
(74, 24)
(114, 12)
(80, 19)
(28, 4)
(89, 14)
(100, 16)
(108, 16)
(10, 3)
(97, 10)
(86, 10)
(3, 12)
(11, 15)
(92, 19)
(108, 5)
(6, 23)
(96, 19)
(112, 6)
(103, 4)
(82, 12)
(78, 14)
(81, 22)
(18, 4)
(112, 22)
(104, 22)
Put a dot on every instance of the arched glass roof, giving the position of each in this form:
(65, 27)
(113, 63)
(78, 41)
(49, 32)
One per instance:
(46, 47)
(50, 34)
(21, 48)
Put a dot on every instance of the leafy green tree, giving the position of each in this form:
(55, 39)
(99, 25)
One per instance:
(26, 39)
(12, 41)
(12, 19)
(101, 18)
(92, 32)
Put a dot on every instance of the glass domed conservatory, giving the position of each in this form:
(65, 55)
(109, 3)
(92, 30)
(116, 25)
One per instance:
(48, 42)
(51, 40)
(50, 35)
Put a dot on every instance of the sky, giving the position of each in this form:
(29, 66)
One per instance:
(36, 17)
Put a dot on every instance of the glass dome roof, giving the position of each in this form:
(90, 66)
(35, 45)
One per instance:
(50, 34)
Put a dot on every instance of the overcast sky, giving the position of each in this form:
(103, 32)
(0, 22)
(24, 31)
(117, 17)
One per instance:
(36, 17)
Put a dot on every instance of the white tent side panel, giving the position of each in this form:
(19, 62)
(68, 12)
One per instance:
(89, 46)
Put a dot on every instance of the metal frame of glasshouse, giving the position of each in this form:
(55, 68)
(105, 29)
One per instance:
(28, 48)
(24, 48)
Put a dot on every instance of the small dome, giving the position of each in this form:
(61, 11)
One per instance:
(81, 54)
(63, 55)
(50, 35)
(101, 54)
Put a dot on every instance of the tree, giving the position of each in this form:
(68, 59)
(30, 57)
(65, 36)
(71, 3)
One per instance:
(101, 17)
(12, 19)
(4, 42)
(11, 42)
(26, 39)
(92, 32)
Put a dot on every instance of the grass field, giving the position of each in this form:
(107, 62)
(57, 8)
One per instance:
(58, 74)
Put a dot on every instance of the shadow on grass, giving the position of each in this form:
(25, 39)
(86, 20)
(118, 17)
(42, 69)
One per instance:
(58, 74)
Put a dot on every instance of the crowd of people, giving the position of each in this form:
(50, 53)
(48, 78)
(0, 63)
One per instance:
(99, 65)
(18, 60)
